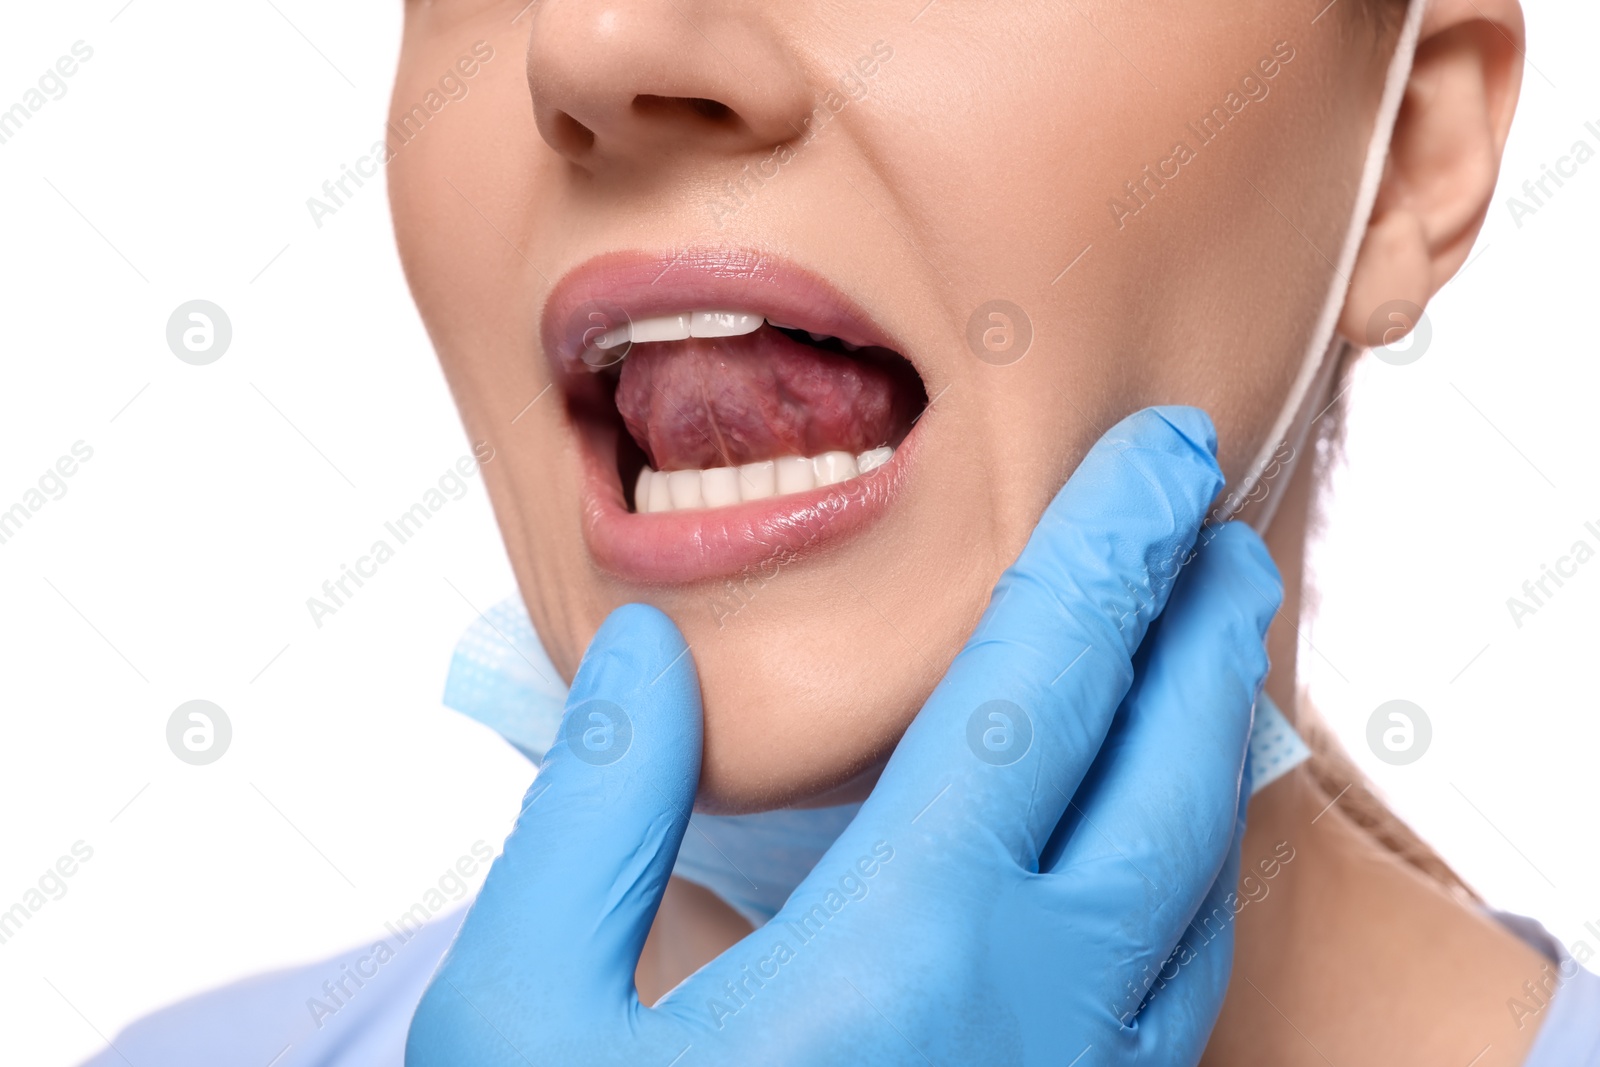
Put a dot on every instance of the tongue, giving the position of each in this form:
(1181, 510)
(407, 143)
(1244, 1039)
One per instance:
(720, 402)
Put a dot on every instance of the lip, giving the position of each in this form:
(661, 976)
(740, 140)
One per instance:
(639, 285)
(687, 546)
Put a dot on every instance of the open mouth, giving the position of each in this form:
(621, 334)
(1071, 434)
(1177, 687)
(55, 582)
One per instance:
(723, 407)
(730, 408)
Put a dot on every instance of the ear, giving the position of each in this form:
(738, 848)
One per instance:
(1443, 162)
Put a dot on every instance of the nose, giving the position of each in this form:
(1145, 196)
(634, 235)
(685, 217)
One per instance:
(638, 80)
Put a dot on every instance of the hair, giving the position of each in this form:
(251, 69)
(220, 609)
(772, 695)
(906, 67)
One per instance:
(1330, 766)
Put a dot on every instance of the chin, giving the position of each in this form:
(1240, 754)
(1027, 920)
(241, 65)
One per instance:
(779, 733)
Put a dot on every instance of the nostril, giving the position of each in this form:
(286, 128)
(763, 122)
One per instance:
(571, 137)
(711, 109)
(663, 106)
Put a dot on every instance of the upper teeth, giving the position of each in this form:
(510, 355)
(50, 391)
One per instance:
(681, 326)
(721, 486)
(686, 324)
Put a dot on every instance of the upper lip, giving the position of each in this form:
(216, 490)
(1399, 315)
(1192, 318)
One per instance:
(640, 284)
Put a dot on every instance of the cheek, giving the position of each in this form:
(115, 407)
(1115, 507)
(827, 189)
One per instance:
(458, 180)
(1143, 280)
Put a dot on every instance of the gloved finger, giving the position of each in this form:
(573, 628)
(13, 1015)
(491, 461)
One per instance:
(1153, 822)
(580, 878)
(1011, 729)
(1181, 1000)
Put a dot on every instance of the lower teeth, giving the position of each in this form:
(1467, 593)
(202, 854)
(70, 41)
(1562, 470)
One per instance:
(658, 491)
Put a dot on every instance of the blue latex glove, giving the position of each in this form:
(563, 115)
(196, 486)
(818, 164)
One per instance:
(1024, 868)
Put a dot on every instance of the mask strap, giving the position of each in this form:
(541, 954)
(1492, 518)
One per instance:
(1326, 350)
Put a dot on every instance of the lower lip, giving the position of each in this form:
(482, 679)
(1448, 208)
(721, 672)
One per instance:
(678, 547)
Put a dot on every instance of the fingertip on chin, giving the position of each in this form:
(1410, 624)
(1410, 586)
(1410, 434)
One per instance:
(644, 630)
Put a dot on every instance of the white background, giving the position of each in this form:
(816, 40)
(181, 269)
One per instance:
(219, 498)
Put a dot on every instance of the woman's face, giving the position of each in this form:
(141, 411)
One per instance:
(1035, 218)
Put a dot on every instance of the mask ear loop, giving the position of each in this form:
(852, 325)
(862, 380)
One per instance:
(1327, 350)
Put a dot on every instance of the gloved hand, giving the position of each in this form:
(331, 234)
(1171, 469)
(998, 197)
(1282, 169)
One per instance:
(1021, 873)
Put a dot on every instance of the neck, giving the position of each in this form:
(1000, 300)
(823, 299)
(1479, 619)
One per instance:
(1344, 952)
